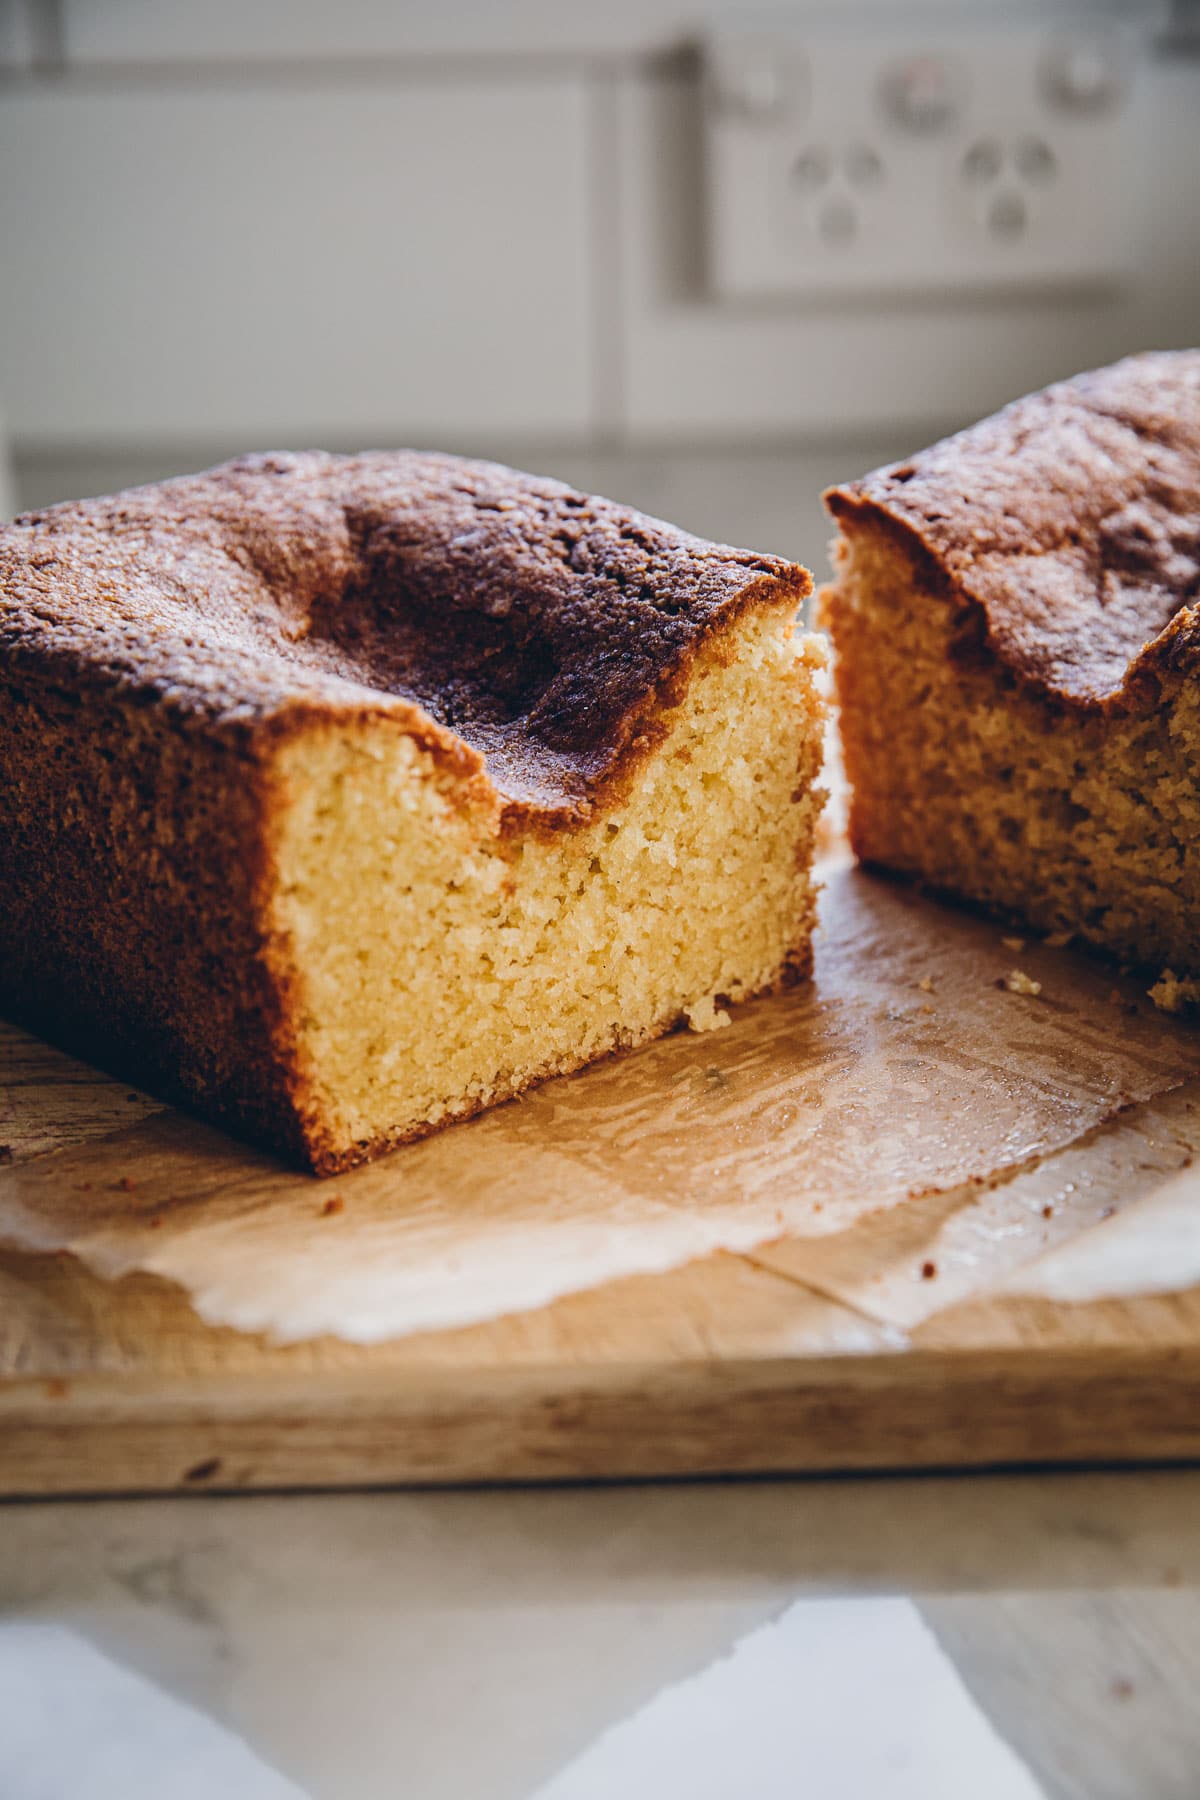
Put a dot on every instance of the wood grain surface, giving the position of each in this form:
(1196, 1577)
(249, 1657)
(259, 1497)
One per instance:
(777, 1358)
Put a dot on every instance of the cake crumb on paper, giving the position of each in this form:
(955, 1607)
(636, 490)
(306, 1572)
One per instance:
(706, 1015)
(1015, 944)
(1018, 982)
(1172, 994)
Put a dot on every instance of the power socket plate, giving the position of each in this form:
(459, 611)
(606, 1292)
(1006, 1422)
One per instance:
(967, 158)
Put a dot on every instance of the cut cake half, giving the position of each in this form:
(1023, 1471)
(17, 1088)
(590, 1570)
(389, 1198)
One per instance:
(342, 797)
(1017, 657)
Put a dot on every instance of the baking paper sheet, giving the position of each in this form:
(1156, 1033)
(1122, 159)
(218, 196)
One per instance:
(1150, 1245)
(902, 1074)
(1029, 1230)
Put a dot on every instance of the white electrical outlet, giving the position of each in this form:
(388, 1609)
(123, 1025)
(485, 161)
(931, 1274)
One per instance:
(964, 157)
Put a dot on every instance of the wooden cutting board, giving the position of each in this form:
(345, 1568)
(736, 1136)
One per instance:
(728, 1365)
(121, 1390)
(733, 1363)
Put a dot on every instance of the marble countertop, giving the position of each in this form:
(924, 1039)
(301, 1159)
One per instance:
(1001, 1637)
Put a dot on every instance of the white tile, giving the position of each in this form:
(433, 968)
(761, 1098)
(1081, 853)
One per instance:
(275, 264)
(148, 30)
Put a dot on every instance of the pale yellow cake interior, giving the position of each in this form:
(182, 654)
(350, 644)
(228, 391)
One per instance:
(1077, 821)
(442, 963)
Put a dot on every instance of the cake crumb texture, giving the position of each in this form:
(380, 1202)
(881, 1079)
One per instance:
(508, 957)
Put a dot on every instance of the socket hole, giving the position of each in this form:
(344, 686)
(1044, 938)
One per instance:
(1034, 160)
(863, 165)
(1006, 216)
(810, 170)
(982, 161)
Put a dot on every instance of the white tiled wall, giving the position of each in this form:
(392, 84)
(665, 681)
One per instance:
(212, 260)
(476, 223)
(125, 31)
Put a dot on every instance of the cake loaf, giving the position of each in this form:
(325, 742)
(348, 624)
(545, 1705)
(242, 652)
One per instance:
(1017, 651)
(341, 797)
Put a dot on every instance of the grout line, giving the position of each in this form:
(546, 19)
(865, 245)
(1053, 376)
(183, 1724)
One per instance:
(606, 338)
(54, 68)
(46, 30)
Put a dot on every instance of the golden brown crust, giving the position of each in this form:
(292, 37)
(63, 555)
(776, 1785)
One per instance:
(133, 873)
(1071, 522)
(522, 630)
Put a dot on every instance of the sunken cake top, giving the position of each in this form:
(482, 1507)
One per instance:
(527, 630)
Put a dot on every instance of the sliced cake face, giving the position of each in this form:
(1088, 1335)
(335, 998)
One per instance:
(344, 796)
(1016, 661)
(440, 957)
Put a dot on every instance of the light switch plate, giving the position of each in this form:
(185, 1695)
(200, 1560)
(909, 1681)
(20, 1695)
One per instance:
(954, 157)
